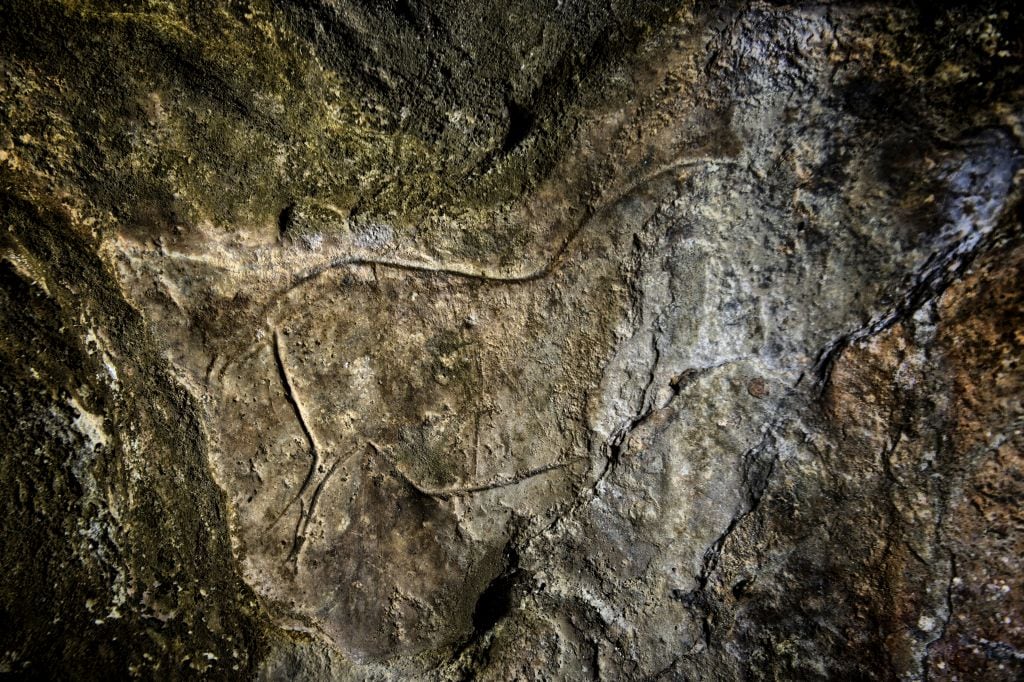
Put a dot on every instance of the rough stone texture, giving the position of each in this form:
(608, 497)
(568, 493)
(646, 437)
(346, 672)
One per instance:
(522, 340)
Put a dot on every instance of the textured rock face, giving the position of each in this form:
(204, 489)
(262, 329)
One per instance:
(464, 340)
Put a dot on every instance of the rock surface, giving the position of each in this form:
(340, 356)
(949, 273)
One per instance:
(521, 340)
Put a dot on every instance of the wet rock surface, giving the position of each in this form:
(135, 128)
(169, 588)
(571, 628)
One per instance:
(559, 340)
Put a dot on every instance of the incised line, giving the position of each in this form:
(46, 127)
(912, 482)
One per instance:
(481, 275)
(460, 491)
(306, 515)
(292, 397)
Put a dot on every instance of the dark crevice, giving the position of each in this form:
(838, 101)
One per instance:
(286, 219)
(495, 602)
(520, 124)
(407, 13)
(741, 587)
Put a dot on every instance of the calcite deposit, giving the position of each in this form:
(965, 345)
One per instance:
(559, 340)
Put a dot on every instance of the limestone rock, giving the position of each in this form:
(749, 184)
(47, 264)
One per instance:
(523, 340)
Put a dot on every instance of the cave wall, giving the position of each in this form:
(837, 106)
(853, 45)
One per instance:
(522, 340)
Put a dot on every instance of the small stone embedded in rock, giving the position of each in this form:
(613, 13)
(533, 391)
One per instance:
(758, 388)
